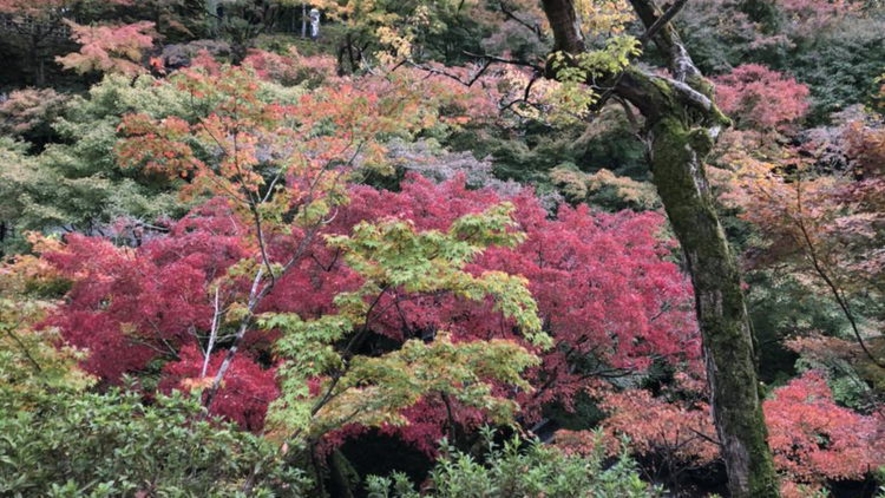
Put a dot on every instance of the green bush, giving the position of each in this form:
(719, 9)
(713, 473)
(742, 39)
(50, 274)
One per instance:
(519, 469)
(114, 444)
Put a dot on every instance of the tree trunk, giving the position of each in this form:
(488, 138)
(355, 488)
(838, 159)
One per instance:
(36, 60)
(677, 153)
(303, 20)
(3, 229)
(681, 126)
(212, 15)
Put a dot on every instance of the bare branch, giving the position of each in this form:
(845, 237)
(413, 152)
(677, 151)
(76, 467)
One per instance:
(534, 28)
(213, 335)
(254, 298)
(661, 21)
(433, 70)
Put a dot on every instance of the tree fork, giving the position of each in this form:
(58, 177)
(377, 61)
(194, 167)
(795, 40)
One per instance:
(681, 126)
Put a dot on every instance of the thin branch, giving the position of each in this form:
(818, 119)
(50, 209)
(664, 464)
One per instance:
(244, 326)
(807, 242)
(834, 289)
(504, 60)
(262, 245)
(270, 188)
(23, 347)
(331, 264)
(213, 335)
(534, 28)
(705, 437)
(468, 83)
(526, 93)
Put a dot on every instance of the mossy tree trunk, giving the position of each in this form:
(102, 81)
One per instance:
(681, 126)
(677, 151)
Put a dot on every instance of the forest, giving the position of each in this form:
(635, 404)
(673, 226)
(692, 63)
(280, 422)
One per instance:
(451, 248)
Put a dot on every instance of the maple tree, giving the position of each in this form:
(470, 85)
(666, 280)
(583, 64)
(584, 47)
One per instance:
(598, 329)
(814, 439)
(109, 48)
(812, 217)
(815, 442)
(370, 390)
(414, 293)
(40, 24)
(673, 435)
(275, 160)
(398, 265)
(29, 114)
(761, 99)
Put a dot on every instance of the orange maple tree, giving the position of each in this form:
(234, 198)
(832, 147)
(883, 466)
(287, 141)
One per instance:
(108, 48)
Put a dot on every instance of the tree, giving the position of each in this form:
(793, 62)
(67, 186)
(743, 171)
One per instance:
(682, 124)
(41, 23)
(761, 99)
(606, 295)
(815, 442)
(29, 114)
(75, 183)
(818, 207)
(110, 48)
(814, 439)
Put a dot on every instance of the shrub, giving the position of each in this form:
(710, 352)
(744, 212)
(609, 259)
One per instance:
(519, 469)
(114, 444)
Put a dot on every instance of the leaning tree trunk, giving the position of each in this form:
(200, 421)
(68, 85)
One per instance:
(728, 349)
(681, 125)
(677, 150)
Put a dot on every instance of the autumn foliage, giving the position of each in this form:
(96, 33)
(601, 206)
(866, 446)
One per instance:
(134, 307)
(761, 99)
(368, 243)
(814, 439)
(110, 48)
